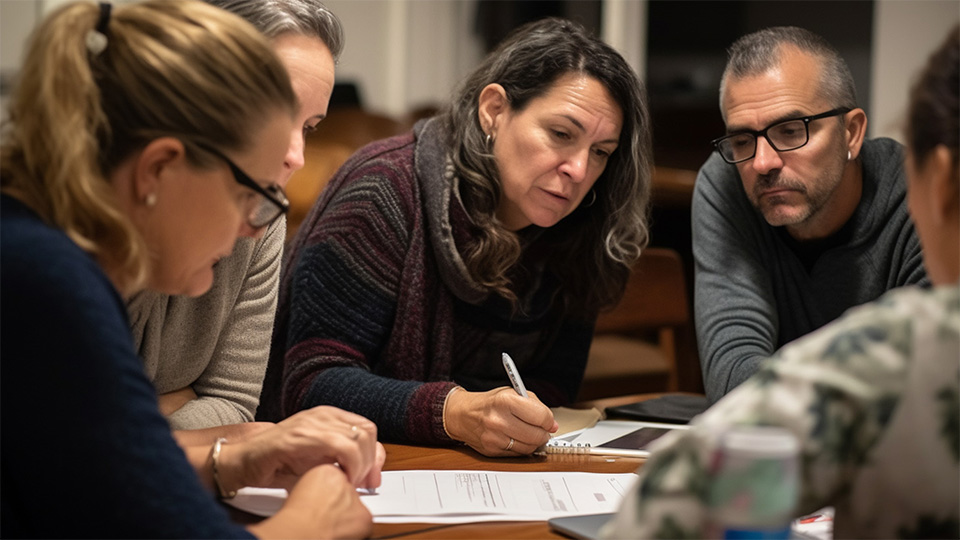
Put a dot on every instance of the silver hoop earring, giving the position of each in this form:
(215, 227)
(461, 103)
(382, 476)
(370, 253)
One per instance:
(488, 141)
(849, 155)
(593, 200)
(150, 200)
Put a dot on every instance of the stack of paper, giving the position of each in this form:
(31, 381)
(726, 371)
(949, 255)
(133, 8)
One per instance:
(470, 496)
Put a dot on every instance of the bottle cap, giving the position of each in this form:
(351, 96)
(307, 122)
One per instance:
(761, 442)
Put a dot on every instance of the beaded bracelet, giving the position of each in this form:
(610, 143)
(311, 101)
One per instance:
(215, 457)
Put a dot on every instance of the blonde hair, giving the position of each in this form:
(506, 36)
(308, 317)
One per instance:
(177, 68)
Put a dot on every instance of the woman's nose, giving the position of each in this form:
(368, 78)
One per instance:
(294, 160)
(575, 166)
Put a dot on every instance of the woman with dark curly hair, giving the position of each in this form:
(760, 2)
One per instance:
(502, 225)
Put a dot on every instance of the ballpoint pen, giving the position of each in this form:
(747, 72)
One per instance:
(514, 375)
(517, 383)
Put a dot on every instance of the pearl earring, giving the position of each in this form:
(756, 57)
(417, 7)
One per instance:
(150, 200)
(849, 155)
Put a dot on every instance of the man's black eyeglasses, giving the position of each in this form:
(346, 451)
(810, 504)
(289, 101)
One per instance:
(273, 202)
(783, 136)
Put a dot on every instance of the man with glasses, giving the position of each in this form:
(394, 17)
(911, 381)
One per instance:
(796, 218)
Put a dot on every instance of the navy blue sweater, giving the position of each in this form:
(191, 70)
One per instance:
(84, 450)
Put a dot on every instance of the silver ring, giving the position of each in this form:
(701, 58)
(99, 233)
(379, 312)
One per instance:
(510, 445)
(354, 433)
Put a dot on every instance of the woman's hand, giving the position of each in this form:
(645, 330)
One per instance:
(278, 456)
(488, 421)
(322, 504)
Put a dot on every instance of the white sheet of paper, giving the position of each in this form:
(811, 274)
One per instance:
(434, 496)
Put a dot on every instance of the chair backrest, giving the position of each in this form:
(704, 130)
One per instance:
(656, 295)
(653, 308)
(356, 127)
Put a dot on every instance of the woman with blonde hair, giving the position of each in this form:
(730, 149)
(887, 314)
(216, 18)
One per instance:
(143, 141)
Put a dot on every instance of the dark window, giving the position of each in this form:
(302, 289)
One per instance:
(687, 50)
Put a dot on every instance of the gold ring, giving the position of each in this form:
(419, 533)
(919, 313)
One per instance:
(354, 433)
(510, 445)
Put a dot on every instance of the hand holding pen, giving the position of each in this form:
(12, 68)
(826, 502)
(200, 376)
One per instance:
(501, 422)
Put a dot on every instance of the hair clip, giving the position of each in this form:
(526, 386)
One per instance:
(96, 39)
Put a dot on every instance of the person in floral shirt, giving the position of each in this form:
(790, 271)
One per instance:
(873, 398)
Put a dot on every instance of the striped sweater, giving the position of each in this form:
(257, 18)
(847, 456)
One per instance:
(378, 315)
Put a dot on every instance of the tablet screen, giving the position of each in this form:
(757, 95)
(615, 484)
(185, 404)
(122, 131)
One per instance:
(638, 439)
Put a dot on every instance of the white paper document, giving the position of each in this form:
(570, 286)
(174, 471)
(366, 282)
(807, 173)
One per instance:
(435, 496)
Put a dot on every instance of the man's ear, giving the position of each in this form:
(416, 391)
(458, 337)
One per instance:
(492, 103)
(855, 130)
(154, 160)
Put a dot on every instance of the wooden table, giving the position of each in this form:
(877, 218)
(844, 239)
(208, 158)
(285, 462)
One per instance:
(404, 457)
(407, 457)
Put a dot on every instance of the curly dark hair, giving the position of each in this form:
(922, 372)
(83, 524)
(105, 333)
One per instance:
(592, 249)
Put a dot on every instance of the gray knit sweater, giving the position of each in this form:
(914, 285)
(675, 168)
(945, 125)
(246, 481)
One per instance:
(218, 343)
(753, 292)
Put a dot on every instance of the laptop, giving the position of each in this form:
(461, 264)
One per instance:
(581, 527)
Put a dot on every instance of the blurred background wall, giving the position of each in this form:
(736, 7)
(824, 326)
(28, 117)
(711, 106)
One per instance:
(406, 54)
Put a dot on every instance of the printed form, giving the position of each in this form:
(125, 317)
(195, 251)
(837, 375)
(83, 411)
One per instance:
(434, 496)
(468, 496)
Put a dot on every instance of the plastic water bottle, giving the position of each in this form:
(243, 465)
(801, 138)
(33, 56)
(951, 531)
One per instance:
(755, 484)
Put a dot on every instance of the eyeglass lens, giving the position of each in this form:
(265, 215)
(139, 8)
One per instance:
(784, 136)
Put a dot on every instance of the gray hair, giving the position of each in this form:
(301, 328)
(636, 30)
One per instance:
(756, 53)
(274, 18)
(597, 243)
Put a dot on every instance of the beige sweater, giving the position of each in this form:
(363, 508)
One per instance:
(217, 343)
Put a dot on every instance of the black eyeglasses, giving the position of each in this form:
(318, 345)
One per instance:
(273, 202)
(783, 136)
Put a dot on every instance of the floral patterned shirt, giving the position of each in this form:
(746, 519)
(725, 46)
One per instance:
(873, 398)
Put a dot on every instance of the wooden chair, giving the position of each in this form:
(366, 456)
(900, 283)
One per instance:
(634, 346)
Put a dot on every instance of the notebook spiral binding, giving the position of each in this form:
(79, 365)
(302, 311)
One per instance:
(564, 447)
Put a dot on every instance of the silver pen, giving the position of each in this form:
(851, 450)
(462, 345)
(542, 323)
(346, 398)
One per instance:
(514, 375)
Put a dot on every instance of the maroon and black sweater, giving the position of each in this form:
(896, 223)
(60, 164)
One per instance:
(378, 315)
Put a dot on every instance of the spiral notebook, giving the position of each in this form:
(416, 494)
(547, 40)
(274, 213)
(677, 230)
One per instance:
(612, 438)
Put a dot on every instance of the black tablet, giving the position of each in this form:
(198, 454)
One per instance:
(672, 409)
